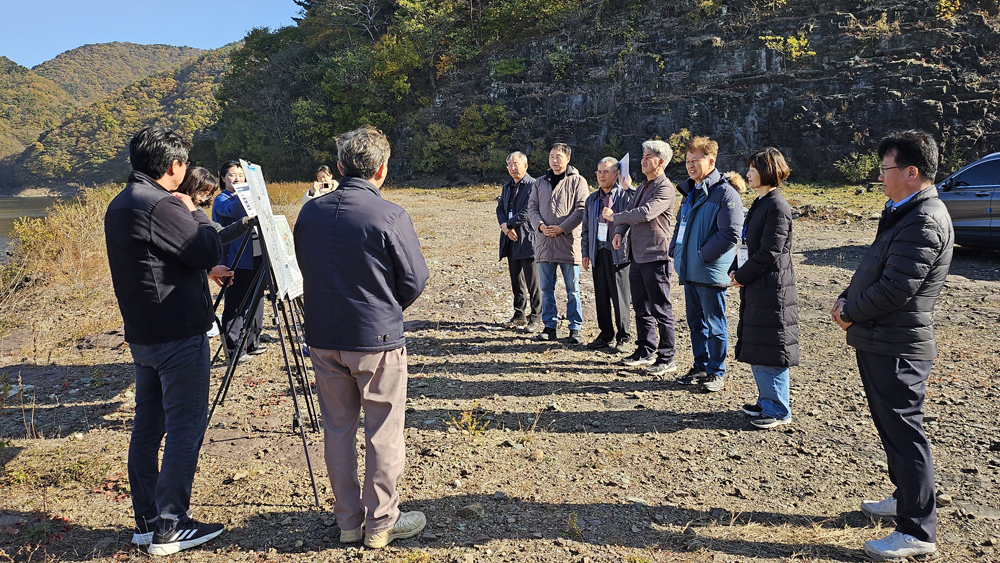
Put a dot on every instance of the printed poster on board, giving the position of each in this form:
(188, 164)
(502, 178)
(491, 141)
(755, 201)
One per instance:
(282, 262)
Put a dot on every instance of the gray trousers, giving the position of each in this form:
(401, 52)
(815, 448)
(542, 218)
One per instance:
(348, 382)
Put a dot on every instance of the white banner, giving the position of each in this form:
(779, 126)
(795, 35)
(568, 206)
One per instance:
(280, 248)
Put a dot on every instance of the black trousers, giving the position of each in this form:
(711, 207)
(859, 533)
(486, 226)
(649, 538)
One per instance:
(241, 285)
(527, 291)
(611, 292)
(650, 286)
(895, 388)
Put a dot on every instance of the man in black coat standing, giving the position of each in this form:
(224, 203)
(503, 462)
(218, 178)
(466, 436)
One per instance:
(361, 267)
(517, 244)
(888, 311)
(160, 249)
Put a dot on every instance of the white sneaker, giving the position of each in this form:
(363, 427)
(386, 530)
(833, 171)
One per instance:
(214, 331)
(407, 525)
(898, 546)
(879, 508)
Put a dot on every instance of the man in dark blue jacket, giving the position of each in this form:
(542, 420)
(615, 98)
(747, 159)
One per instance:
(160, 248)
(517, 244)
(702, 247)
(361, 266)
(888, 313)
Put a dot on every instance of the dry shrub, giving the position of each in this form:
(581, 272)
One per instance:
(287, 193)
(59, 268)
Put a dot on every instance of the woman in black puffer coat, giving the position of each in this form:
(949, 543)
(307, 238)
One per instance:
(768, 331)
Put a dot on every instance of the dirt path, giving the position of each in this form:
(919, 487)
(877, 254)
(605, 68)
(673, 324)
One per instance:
(580, 460)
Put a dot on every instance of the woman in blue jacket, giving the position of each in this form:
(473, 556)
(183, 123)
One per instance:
(768, 330)
(226, 210)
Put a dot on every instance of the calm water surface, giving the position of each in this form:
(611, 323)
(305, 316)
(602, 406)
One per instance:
(12, 208)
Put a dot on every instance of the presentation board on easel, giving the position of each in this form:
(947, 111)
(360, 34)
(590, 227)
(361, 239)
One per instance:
(276, 234)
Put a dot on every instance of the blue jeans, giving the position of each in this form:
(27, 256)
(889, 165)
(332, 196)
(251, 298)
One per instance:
(171, 397)
(705, 306)
(772, 390)
(571, 277)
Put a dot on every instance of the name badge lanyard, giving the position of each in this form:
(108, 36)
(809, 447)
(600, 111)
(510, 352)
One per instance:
(742, 251)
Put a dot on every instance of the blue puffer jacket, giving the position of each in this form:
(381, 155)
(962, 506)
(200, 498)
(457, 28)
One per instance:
(712, 219)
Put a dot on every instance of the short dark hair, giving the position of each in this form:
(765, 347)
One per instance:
(770, 165)
(912, 148)
(361, 152)
(153, 149)
(563, 148)
(198, 180)
(226, 166)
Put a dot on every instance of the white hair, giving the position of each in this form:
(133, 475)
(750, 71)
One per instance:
(659, 148)
(518, 155)
(609, 160)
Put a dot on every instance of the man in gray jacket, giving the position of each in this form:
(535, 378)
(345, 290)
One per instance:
(888, 313)
(646, 221)
(611, 288)
(556, 211)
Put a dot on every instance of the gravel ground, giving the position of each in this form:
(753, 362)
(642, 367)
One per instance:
(526, 451)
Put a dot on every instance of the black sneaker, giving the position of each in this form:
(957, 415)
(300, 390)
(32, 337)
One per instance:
(142, 534)
(752, 410)
(574, 337)
(548, 335)
(694, 376)
(257, 350)
(637, 360)
(183, 535)
(769, 422)
(622, 340)
(598, 343)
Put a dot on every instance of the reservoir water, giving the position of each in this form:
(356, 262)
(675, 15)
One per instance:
(13, 208)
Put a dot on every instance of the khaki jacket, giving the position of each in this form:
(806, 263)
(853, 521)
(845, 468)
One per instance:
(562, 205)
(647, 220)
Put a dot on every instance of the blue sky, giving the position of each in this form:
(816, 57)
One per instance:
(34, 31)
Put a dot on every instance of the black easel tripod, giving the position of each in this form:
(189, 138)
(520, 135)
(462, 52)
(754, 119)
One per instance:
(265, 279)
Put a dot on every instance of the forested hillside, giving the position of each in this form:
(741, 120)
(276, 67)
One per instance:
(458, 85)
(91, 72)
(90, 146)
(29, 104)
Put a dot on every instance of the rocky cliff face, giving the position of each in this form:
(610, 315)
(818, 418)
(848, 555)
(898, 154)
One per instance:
(878, 67)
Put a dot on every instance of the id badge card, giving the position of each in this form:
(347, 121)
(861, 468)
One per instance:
(602, 232)
(742, 255)
(680, 232)
(510, 215)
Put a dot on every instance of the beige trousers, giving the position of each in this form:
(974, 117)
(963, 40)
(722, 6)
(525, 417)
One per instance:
(347, 383)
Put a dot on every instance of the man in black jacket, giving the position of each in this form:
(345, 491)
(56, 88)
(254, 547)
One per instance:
(516, 244)
(361, 266)
(888, 311)
(160, 248)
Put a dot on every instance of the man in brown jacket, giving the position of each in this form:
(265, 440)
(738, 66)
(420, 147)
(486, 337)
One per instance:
(647, 219)
(556, 212)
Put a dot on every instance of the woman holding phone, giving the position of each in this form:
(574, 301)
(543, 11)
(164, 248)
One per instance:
(768, 330)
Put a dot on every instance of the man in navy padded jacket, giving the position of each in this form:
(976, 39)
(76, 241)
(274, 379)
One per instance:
(160, 248)
(361, 266)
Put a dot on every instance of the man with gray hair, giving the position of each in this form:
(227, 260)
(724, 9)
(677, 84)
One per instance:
(517, 244)
(644, 229)
(611, 269)
(361, 267)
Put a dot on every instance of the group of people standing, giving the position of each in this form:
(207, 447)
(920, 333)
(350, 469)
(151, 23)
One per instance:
(628, 237)
(632, 241)
(362, 266)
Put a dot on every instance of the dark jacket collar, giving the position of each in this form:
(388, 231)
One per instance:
(137, 177)
(713, 179)
(528, 178)
(355, 183)
(890, 215)
(570, 171)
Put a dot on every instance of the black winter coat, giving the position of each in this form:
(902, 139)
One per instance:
(523, 248)
(159, 253)
(768, 331)
(891, 297)
(361, 266)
